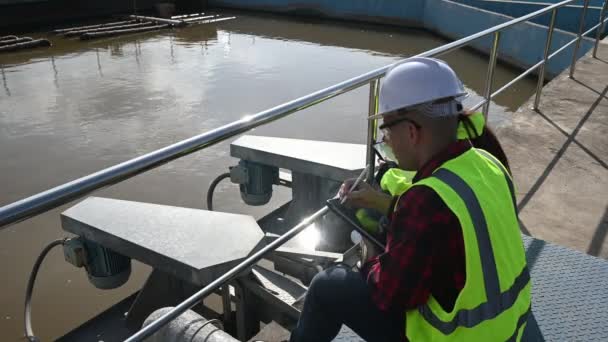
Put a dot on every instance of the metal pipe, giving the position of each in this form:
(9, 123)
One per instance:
(62, 194)
(25, 45)
(200, 18)
(11, 37)
(477, 106)
(16, 41)
(516, 79)
(209, 21)
(177, 23)
(562, 48)
(234, 272)
(105, 29)
(177, 17)
(490, 74)
(590, 30)
(541, 74)
(578, 38)
(112, 33)
(465, 41)
(600, 30)
(372, 131)
(116, 23)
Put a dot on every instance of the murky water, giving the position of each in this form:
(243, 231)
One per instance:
(80, 107)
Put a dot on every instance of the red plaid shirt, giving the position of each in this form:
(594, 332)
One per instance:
(425, 249)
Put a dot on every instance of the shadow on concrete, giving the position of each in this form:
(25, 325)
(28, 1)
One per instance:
(595, 247)
(571, 138)
(588, 87)
(583, 147)
(6, 89)
(523, 227)
(533, 251)
(532, 331)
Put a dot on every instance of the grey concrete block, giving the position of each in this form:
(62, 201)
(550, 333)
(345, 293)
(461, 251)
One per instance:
(336, 161)
(191, 244)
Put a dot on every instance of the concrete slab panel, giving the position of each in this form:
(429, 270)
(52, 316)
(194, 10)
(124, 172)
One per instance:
(332, 160)
(571, 203)
(531, 144)
(582, 102)
(191, 244)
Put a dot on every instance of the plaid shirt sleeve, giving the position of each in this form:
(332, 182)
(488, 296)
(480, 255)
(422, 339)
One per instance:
(424, 254)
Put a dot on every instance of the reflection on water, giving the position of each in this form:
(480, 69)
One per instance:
(8, 91)
(79, 107)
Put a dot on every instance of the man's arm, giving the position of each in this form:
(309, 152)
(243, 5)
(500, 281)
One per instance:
(401, 277)
(364, 196)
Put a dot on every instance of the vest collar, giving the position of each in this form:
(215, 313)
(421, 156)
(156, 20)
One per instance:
(453, 150)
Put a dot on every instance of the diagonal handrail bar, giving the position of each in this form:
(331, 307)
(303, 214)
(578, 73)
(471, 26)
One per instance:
(53, 198)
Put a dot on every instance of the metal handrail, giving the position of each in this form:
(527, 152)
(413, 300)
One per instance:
(53, 198)
(374, 87)
(578, 38)
(50, 199)
(42, 202)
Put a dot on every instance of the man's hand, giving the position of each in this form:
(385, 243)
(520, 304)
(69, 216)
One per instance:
(364, 196)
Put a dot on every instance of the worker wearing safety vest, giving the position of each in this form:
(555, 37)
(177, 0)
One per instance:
(395, 181)
(454, 267)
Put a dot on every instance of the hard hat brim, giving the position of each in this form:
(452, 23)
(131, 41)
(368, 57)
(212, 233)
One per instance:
(459, 97)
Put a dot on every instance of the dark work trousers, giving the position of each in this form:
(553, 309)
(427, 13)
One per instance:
(339, 296)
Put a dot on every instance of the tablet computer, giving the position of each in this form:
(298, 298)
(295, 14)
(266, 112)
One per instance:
(348, 215)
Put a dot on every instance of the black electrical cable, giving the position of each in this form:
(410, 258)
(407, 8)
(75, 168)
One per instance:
(29, 333)
(212, 189)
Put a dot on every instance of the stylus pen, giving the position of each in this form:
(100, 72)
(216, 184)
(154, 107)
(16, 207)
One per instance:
(356, 184)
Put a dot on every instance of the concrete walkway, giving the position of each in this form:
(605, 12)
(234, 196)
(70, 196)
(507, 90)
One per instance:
(559, 158)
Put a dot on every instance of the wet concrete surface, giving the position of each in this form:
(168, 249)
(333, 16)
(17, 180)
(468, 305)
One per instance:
(79, 107)
(559, 157)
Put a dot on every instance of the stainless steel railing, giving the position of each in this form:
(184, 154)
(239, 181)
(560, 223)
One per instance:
(374, 88)
(47, 200)
(52, 198)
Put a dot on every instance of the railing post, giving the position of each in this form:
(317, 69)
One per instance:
(490, 74)
(372, 131)
(578, 38)
(541, 74)
(600, 29)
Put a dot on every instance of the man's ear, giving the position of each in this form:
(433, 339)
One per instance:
(414, 134)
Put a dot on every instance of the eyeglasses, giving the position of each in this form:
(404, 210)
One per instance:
(384, 151)
(385, 127)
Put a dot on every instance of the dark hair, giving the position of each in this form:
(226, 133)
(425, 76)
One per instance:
(487, 140)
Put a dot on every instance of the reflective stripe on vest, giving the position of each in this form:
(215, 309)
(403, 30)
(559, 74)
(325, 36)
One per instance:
(502, 168)
(497, 301)
(523, 319)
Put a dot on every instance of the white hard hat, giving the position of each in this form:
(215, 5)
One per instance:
(420, 81)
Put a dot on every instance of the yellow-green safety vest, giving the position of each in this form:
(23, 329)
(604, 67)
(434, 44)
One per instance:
(478, 121)
(495, 301)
